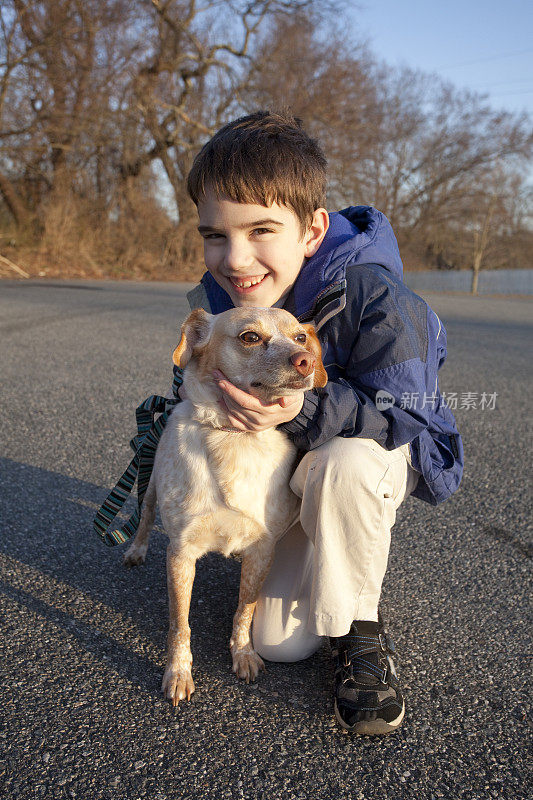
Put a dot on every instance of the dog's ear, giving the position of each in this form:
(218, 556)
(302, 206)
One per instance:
(314, 347)
(194, 333)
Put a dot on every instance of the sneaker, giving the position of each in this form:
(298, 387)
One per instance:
(368, 699)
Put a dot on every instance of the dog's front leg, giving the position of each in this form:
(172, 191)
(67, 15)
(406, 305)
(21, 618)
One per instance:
(255, 565)
(177, 680)
(136, 552)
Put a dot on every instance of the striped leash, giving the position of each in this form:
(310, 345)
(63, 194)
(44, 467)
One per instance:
(140, 468)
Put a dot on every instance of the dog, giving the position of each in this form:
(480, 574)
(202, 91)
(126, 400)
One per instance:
(220, 489)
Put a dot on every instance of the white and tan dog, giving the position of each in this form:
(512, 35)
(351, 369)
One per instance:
(219, 489)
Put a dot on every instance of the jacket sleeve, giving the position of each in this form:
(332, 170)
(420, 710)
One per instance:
(384, 330)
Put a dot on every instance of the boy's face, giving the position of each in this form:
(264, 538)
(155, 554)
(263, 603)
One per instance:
(255, 252)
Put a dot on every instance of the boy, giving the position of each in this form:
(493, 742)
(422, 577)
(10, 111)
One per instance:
(259, 187)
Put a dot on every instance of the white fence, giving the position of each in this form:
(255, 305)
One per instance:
(496, 281)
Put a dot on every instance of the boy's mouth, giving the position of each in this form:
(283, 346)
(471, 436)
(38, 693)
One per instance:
(248, 283)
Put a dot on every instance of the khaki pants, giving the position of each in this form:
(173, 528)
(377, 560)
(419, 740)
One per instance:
(329, 566)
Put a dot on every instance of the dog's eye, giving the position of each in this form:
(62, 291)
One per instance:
(249, 337)
(301, 338)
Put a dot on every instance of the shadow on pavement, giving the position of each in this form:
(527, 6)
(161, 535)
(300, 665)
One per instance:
(54, 565)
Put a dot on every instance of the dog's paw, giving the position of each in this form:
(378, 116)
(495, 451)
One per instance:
(247, 664)
(177, 685)
(135, 555)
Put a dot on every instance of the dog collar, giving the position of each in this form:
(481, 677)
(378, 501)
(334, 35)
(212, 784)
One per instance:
(230, 430)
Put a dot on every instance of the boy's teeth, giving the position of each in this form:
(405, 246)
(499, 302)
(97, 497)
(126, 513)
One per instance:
(247, 284)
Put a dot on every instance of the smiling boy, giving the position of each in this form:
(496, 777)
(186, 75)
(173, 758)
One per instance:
(259, 186)
(255, 254)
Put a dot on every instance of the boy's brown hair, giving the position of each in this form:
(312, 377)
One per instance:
(263, 158)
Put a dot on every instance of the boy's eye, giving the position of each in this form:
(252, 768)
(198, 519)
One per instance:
(301, 338)
(249, 337)
(262, 230)
(210, 236)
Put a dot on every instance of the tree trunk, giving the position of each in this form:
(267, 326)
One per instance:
(480, 244)
(475, 275)
(18, 209)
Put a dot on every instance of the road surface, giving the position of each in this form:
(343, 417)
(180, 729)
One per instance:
(83, 641)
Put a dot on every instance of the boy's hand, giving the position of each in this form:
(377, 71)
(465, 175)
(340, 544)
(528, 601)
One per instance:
(248, 413)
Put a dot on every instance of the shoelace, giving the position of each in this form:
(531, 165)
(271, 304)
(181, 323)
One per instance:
(354, 662)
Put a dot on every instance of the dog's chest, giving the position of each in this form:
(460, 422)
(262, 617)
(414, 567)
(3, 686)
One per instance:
(235, 486)
(252, 471)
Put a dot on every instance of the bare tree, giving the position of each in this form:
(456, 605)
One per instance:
(104, 103)
(436, 164)
(328, 82)
(190, 80)
(60, 62)
(101, 98)
(406, 142)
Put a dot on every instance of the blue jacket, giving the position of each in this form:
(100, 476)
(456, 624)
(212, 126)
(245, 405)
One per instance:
(376, 334)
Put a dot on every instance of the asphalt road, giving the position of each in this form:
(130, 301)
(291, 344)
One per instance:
(83, 640)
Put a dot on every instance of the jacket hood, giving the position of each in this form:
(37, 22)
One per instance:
(356, 235)
(369, 238)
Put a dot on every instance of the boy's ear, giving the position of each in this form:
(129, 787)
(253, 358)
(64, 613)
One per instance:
(314, 235)
(194, 333)
(313, 346)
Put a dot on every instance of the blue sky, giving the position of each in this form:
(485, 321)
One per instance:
(485, 45)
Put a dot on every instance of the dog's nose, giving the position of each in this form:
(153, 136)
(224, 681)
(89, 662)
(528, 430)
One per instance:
(304, 362)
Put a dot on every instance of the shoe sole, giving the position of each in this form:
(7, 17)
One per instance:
(371, 727)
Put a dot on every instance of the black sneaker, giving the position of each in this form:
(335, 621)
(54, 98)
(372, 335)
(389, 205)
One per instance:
(368, 699)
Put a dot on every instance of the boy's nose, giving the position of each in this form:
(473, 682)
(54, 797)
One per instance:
(304, 362)
(237, 256)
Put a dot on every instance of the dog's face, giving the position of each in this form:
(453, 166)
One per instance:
(263, 351)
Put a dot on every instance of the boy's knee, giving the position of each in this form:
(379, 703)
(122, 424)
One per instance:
(348, 453)
(344, 464)
(294, 646)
